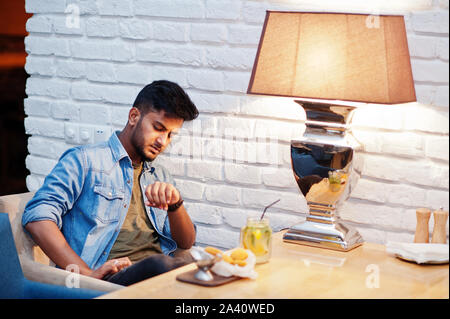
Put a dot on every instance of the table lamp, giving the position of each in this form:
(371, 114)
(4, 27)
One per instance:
(330, 63)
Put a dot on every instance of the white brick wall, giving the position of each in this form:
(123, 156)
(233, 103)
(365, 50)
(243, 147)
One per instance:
(234, 159)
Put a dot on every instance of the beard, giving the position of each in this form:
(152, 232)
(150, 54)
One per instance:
(141, 152)
(138, 144)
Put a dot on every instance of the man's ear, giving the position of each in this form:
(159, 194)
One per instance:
(133, 116)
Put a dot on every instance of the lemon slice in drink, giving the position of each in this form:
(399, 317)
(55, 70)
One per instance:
(257, 234)
(259, 249)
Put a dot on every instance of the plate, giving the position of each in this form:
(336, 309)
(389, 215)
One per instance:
(420, 253)
(189, 277)
(428, 262)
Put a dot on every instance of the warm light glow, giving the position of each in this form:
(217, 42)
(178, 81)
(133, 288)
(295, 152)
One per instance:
(334, 102)
(358, 6)
(271, 106)
(12, 60)
(332, 56)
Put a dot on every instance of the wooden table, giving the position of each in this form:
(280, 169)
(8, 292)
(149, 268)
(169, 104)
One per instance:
(296, 271)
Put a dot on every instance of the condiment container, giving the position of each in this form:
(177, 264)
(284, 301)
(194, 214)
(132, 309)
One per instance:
(439, 232)
(423, 217)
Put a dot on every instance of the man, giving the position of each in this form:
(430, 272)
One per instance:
(110, 210)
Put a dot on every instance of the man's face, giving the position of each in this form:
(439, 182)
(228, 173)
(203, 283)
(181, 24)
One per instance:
(153, 133)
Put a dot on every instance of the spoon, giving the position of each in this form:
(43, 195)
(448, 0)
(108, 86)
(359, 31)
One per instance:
(204, 266)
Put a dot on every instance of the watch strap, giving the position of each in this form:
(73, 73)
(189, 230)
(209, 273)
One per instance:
(175, 206)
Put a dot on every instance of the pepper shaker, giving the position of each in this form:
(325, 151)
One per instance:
(439, 233)
(423, 217)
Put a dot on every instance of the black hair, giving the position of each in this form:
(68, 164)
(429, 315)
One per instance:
(166, 96)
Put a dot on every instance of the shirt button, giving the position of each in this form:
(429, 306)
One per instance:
(110, 194)
(125, 205)
(128, 181)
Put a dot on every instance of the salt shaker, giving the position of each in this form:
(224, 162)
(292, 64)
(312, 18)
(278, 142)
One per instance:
(423, 217)
(439, 233)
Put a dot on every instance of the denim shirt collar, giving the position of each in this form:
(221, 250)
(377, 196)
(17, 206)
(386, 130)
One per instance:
(119, 151)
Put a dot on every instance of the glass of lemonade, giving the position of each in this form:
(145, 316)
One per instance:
(257, 237)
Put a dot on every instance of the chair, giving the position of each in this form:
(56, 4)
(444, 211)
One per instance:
(36, 266)
(13, 282)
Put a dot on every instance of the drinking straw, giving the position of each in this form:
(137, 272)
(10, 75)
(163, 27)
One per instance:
(268, 207)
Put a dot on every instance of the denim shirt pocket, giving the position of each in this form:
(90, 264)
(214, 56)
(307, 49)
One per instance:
(108, 202)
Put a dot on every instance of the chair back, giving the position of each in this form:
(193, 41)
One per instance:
(11, 275)
(14, 206)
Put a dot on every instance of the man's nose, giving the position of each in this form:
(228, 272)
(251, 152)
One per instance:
(163, 139)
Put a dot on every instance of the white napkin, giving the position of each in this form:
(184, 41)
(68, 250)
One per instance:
(418, 252)
(225, 269)
(222, 268)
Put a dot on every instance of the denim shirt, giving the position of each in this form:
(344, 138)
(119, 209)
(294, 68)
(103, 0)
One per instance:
(87, 195)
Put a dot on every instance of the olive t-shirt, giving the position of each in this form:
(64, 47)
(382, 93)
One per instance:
(137, 238)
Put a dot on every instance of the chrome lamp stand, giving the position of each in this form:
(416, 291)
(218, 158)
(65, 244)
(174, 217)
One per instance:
(326, 167)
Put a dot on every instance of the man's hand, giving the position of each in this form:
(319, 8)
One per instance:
(111, 267)
(161, 195)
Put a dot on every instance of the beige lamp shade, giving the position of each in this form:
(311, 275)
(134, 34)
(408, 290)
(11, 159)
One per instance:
(334, 56)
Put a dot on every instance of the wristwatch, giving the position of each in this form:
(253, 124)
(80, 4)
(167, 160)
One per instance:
(175, 206)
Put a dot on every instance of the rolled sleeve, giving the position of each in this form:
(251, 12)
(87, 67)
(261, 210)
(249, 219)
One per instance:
(60, 190)
(42, 212)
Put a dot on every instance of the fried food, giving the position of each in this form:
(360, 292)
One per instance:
(239, 254)
(241, 263)
(213, 251)
(227, 259)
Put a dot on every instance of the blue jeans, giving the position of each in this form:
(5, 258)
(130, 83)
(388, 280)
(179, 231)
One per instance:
(149, 267)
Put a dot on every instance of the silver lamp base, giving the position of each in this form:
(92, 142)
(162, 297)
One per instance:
(336, 236)
(326, 168)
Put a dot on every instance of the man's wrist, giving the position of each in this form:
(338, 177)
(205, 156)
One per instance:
(174, 207)
(86, 271)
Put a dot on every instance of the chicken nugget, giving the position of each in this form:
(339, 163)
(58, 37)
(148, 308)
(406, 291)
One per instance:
(227, 259)
(213, 251)
(241, 263)
(239, 254)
